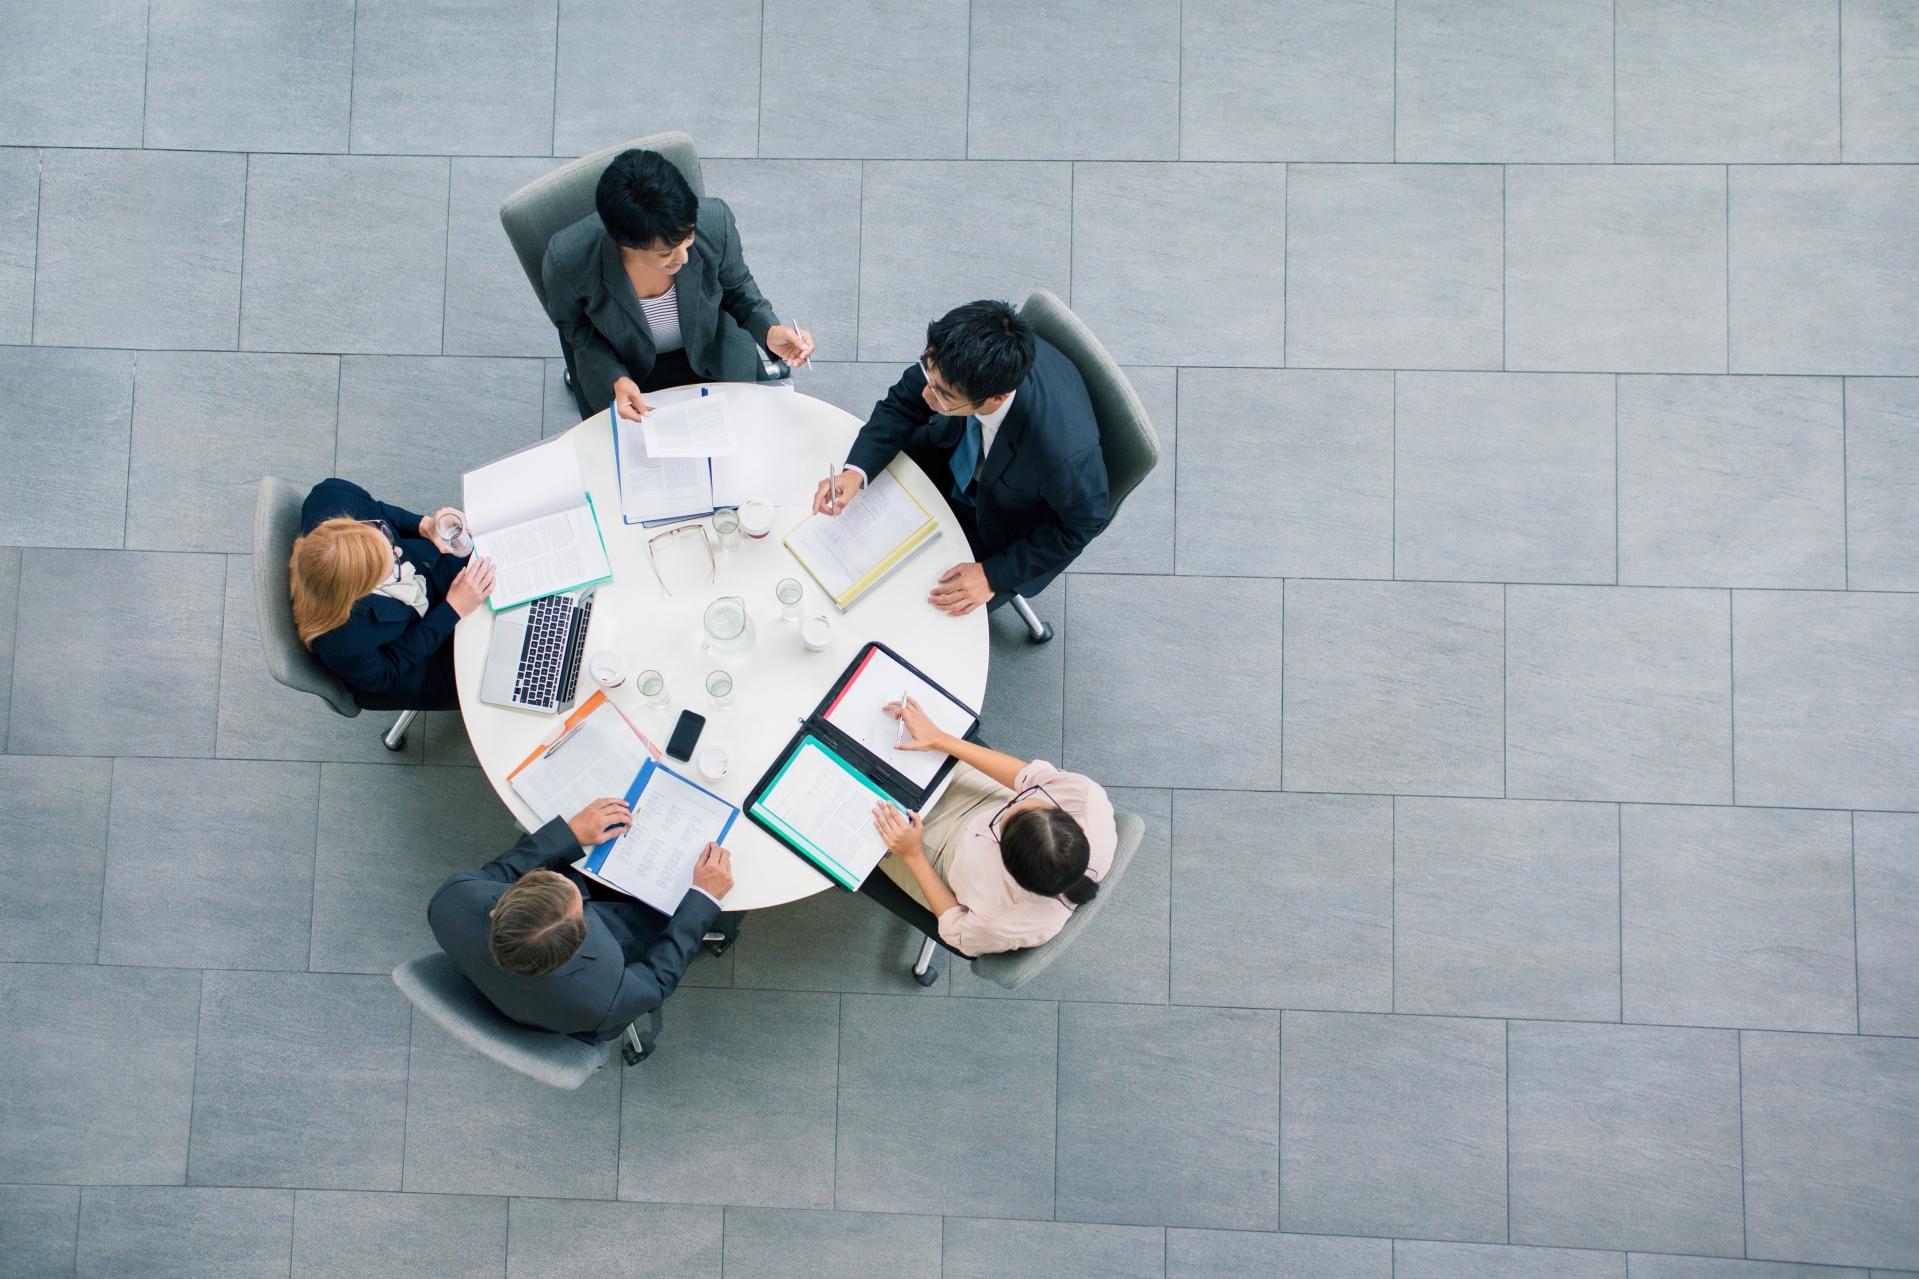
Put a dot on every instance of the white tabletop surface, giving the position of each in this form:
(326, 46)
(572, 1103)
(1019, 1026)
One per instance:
(779, 682)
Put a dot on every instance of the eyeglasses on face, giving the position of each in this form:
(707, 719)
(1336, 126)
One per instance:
(946, 395)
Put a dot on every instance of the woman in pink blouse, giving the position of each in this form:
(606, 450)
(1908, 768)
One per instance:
(1003, 857)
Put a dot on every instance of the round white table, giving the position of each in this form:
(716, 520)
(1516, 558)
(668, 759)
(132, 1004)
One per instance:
(779, 682)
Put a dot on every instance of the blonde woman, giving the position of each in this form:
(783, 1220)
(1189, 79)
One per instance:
(376, 596)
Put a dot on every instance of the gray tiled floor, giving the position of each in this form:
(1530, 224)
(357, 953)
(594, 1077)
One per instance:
(1537, 388)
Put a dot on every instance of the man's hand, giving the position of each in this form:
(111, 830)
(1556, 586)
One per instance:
(961, 589)
(471, 586)
(831, 499)
(795, 346)
(713, 873)
(626, 400)
(600, 821)
(901, 831)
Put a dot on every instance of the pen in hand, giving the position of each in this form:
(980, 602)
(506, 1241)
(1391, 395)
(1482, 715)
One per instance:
(899, 733)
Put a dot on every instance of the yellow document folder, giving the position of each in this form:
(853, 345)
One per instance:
(849, 553)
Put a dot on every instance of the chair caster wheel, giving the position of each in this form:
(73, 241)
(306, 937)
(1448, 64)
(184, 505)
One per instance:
(928, 978)
(566, 376)
(1045, 634)
(718, 946)
(395, 744)
(630, 1057)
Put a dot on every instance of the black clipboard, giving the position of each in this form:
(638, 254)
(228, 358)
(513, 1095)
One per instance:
(881, 775)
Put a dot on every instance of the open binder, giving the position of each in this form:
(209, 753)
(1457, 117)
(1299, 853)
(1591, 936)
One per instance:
(818, 796)
(850, 553)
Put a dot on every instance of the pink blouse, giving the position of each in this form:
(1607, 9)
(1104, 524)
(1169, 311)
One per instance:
(994, 913)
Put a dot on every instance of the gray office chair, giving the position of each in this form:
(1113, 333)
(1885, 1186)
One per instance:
(549, 204)
(276, 522)
(1014, 968)
(1126, 437)
(437, 988)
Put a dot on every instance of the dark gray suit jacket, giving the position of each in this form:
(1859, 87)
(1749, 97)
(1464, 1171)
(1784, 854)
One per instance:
(1042, 487)
(631, 960)
(723, 318)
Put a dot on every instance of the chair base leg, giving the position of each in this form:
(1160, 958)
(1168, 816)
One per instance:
(637, 1045)
(395, 739)
(926, 969)
(1036, 630)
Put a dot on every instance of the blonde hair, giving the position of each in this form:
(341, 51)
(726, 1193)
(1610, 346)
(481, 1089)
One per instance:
(330, 568)
(532, 933)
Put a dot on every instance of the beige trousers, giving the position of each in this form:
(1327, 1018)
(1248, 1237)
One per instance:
(970, 792)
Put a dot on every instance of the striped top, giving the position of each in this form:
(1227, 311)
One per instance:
(663, 319)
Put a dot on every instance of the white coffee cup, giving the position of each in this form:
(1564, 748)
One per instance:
(714, 762)
(608, 667)
(816, 632)
(756, 517)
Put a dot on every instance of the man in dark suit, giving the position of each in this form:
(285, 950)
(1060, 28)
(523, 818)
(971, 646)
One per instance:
(651, 291)
(1001, 422)
(525, 930)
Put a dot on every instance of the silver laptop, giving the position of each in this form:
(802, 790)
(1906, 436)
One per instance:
(537, 651)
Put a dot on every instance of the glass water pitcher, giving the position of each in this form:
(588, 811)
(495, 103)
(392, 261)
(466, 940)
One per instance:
(728, 627)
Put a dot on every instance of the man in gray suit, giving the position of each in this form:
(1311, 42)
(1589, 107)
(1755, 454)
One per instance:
(524, 929)
(651, 291)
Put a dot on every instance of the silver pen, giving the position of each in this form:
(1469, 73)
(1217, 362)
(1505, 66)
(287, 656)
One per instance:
(899, 734)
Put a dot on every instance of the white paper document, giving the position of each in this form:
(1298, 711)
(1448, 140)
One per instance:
(840, 550)
(599, 757)
(700, 426)
(658, 490)
(530, 515)
(860, 713)
(673, 819)
(828, 809)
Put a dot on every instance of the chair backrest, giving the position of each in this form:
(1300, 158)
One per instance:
(1126, 436)
(276, 522)
(438, 988)
(1014, 968)
(548, 205)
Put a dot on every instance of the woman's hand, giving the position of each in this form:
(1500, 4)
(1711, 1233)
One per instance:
(626, 400)
(901, 831)
(430, 527)
(922, 734)
(471, 586)
(795, 346)
(600, 821)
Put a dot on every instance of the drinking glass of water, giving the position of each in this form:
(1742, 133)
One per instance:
(727, 525)
(789, 593)
(451, 527)
(651, 686)
(719, 687)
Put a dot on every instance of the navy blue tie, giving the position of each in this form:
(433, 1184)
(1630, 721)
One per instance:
(966, 462)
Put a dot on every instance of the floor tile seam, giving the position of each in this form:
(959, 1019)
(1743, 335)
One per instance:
(39, 239)
(1839, 94)
(553, 128)
(406, 1102)
(1732, 698)
(1507, 1134)
(966, 104)
(1726, 190)
(126, 489)
(1179, 87)
(1739, 1049)
(508, 1199)
(220, 684)
(1198, 367)
(446, 271)
(313, 881)
(1845, 481)
(1858, 991)
(146, 73)
(1268, 161)
(193, 1078)
(240, 310)
(759, 111)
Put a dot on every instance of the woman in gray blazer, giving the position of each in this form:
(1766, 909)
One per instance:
(651, 291)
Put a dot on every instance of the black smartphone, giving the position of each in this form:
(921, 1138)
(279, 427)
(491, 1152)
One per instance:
(686, 734)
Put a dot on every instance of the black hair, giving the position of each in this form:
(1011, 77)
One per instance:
(645, 202)
(1047, 853)
(981, 349)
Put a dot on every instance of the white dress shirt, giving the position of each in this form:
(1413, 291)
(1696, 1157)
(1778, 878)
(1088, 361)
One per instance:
(989, 424)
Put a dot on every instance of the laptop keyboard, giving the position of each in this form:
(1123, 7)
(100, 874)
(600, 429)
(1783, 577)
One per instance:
(543, 656)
